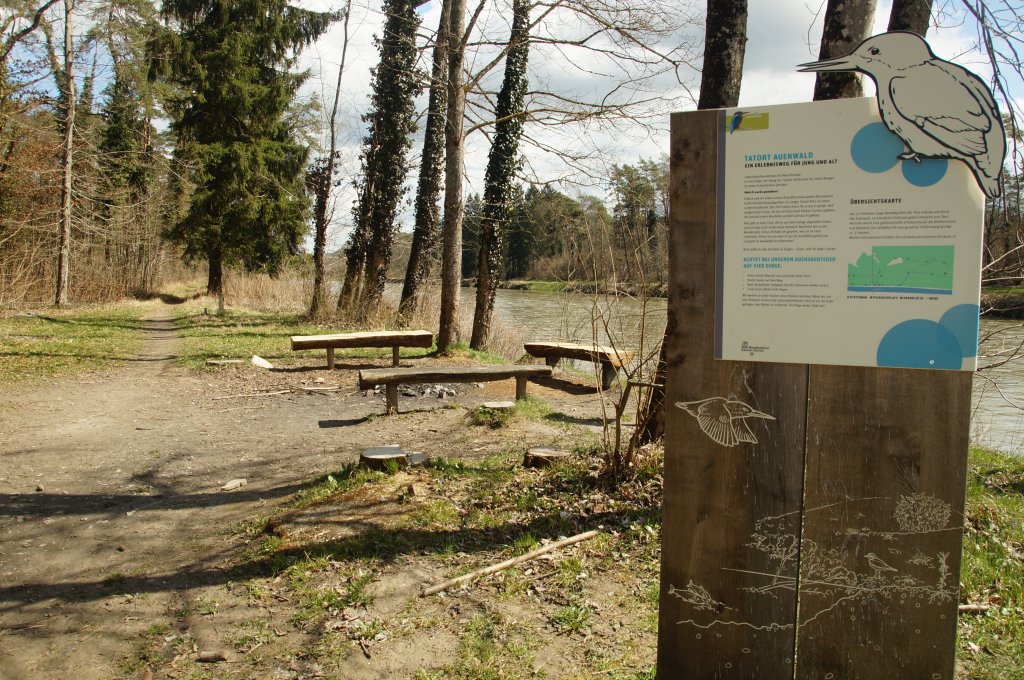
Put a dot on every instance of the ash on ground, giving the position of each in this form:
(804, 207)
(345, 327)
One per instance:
(439, 391)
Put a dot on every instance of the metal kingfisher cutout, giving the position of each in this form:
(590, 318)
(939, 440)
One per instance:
(937, 108)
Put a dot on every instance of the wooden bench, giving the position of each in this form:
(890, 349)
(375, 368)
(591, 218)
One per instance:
(392, 339)
(611, 359)
(391, 378)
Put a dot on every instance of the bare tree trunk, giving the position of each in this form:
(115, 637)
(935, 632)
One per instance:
(451, 253)
(424, 236)
(501, 166)
(911, 15)
(725, 43)
(847, 24)
(60, 297)
(724, 47)
(325, 182)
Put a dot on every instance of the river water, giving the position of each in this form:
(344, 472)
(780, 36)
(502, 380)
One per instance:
(997, 418)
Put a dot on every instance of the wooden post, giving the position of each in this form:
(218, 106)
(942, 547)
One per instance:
(728, 601)
(330, 358)
(391, 394)
(395, 355)
(883, 509)
(608, 373)
(520, 387)
(850, 501)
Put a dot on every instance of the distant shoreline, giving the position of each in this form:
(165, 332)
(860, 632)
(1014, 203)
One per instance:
(631, 289)
(1003, 304)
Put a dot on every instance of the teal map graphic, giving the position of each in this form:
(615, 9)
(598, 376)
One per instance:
(903, 269)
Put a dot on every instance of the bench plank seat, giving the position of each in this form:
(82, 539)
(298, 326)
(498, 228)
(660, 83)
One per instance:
(392, 339)
(391, 378)
(610, 358)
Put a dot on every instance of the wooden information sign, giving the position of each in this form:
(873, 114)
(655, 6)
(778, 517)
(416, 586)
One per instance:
(811, 508)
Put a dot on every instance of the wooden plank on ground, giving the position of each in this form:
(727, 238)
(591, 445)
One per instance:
(883, 522)
(417, 338)
(731, 521)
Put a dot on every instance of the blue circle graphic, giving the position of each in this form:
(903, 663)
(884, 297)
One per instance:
(875, 149)
(919, 343)
(926, 172)
(962, 322)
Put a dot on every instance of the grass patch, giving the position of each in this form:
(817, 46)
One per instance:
(237, 334)
(571, 618)
(62, 342)
(530, 408)
(991, 645)
(240, 333)
(462, 349)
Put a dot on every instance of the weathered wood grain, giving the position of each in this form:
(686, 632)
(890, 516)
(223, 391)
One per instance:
(364, 339)
(392, 339)
(883, 522)
(728, 599)
(579, 351)
(391, 378)
(372, 377)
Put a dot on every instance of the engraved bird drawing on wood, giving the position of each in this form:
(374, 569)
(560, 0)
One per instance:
(724, 420)
(937, 108)
(876, 563)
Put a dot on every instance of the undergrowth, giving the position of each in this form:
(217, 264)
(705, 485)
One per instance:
(991, 643)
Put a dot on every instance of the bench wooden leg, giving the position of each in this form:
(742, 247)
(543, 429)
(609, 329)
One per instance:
(395, 355)
(330, 358)
(608, 373)
(520, 387)
(551, 361)
(391, 393)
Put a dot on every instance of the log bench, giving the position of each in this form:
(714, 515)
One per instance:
(610, 358)
(392, 339)
(391, 378)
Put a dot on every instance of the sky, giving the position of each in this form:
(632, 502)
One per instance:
(781, 35)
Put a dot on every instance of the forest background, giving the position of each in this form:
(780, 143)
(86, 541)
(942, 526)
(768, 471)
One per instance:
(138, 139)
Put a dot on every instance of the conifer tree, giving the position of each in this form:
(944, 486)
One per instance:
(233, 60)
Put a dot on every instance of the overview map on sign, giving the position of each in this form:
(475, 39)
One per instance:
(834, 250)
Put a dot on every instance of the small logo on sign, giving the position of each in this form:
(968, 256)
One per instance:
(752, 349)
(745, 121)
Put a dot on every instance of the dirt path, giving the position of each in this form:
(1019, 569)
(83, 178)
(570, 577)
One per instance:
(111, 508)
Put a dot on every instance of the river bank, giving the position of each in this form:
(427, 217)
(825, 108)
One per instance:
(629, 289)
(1003, 303)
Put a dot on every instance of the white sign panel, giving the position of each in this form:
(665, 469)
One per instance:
(832, 249)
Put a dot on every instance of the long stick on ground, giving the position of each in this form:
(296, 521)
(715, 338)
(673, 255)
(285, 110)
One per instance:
(508, 563)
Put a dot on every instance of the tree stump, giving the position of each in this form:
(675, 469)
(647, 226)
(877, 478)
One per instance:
(416, 458)
(379, 457)
(543, 456)
(499, 405)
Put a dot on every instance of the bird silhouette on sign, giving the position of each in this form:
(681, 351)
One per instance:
(937, 108)
(724, 420)
(877, 564)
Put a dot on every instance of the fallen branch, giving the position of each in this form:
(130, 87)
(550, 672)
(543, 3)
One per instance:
(432, 590)
(974, 608)
(254, 394)
(334, 388)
